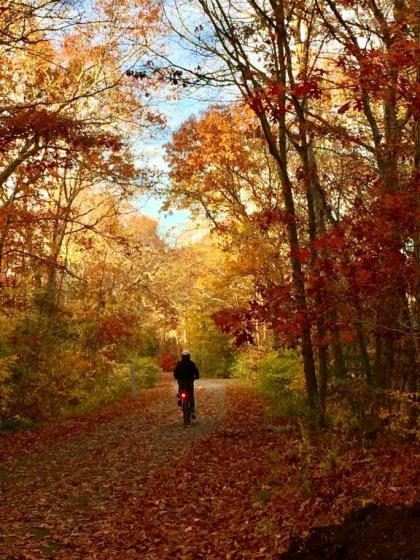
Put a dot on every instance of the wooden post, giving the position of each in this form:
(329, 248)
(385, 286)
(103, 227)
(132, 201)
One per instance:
(134, 393)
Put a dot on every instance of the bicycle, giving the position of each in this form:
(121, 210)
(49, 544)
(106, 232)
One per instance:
(185, 401)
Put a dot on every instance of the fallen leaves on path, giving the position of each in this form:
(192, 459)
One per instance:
(26, 442)
(144, 487)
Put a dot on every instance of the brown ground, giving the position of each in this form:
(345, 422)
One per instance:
(130, 482)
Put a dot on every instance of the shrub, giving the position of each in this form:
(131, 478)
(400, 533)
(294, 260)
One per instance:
(278, 375)
(8, 360)
(278, 372)
(353, 406)
(6, 390)
(146, 370)
(360, 410)
(107, 382)
(280, 380)
(16, 423)
(49, 366)
(167, 361)
(247, 363)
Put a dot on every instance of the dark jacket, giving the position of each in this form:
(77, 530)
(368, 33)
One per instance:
(186, 371)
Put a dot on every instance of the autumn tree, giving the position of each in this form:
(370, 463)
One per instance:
(318, 102)
(55, 76)
(67, 172)
(377, 77)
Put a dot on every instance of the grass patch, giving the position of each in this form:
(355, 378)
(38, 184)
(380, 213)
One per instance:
(39, 532)
(52, 549)
(16, 423)
(262, 497)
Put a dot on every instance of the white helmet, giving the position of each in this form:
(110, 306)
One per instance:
(185, 352)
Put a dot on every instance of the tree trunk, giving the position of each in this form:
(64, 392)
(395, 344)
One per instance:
(315, 225)
(338, 355)
(379, 377)
(361, 341)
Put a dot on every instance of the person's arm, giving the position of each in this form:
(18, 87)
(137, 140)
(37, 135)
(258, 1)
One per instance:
(196, 372)
(176, 371)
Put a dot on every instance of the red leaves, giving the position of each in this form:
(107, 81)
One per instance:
(276, 89)
(309, 85)
(167, 361)
(272, 99)
(381, 72)
(356, 105)
(255, 103)
(272, 217)
(111, 329)
(309, 88)
(347, 336)
(237, 322)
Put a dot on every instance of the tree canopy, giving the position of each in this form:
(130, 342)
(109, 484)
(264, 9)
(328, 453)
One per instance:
(304, 174)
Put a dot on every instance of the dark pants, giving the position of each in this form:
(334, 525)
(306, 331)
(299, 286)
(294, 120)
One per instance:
(189, 387)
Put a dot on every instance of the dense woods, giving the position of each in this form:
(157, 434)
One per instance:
(308, 182)
(72, 254)
(316, 166)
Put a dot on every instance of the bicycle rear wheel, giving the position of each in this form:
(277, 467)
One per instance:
(186, 411)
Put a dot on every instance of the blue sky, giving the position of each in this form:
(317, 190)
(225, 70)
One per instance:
(176, 112)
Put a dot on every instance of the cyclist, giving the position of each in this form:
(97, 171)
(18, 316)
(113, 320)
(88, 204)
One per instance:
(186, 372)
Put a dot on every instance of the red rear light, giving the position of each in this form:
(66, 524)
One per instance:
(183, 395)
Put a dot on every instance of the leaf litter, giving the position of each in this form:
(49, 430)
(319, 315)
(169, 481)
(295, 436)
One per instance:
(137, 484)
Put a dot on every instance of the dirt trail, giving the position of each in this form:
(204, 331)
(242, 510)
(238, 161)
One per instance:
(50, 496)
(131, 483)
